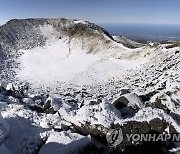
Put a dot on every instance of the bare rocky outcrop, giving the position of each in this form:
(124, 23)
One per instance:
(127, 42)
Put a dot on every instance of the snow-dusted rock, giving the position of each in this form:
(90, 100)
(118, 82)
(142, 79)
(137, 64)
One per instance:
(124, 90)
(129, 100)
(4, 127)
(65, 142)
(52, 105)
(28, 100)
(3, 84)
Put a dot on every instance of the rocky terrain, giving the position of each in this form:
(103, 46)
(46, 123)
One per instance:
(127, 42)
(66, 83)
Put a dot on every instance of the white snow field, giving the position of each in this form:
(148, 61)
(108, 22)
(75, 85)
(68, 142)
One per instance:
(54, 63)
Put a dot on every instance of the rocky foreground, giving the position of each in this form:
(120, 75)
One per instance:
(76, 118)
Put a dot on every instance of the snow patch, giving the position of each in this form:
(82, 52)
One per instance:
(65, 142)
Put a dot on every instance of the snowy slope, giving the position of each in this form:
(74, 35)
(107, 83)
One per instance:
(76, 67)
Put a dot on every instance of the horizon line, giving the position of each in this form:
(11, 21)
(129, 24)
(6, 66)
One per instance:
(101, 23)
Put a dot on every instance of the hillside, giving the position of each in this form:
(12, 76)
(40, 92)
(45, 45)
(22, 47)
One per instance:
(127, 42)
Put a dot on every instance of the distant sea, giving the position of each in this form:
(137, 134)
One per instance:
(145, 32)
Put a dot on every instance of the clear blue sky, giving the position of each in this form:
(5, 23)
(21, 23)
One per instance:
(98, 11)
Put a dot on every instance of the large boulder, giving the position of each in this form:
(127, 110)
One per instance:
(128, 104)
(52, 105)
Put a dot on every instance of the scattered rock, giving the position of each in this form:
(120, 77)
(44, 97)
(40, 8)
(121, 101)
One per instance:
(52, 105)
(129, 100)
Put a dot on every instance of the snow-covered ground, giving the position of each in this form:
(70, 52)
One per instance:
(54, 63)
(68, 93)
